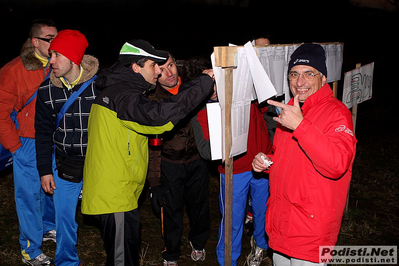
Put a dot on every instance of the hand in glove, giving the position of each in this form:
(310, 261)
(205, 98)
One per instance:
(156, 200)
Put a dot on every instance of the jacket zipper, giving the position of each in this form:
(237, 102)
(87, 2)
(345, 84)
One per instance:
(128, 142)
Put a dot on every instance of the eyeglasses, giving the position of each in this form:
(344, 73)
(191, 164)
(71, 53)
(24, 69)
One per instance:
(308, 75)
(49, 40)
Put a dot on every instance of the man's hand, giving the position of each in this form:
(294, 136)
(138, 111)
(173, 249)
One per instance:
(290, 116)
(259, 164)
(48, 184)
(209, 72)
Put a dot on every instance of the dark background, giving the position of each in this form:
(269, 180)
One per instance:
(191, 28)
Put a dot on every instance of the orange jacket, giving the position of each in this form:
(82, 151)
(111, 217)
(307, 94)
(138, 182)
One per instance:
(19, 79)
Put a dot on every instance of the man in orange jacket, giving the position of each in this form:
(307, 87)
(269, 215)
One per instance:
(19, 80)
(313, 152)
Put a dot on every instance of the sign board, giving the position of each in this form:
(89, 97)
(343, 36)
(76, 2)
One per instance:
(358, 85)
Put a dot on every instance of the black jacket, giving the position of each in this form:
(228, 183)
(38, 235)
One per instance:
(70, 138)
(126, 94)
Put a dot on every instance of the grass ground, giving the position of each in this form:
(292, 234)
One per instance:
(372, 218)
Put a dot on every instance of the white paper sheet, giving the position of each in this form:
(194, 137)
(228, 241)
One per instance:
(215, 129)
(263, 86)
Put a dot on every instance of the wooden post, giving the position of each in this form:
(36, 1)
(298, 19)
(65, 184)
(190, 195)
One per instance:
(354, 108)
(228, 187)
(354, 118)
(335, 88)
(225, 57)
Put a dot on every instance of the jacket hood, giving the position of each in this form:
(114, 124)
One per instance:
(89, 63)
(117, 74)
(28, 57)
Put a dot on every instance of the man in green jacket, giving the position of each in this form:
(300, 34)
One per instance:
(117, 153)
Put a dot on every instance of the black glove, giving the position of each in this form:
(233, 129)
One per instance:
(156, 200)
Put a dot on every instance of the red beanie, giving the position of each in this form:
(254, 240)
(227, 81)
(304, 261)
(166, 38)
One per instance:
(70, 43)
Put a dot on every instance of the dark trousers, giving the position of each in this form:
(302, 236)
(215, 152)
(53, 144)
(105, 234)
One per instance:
(121, 236)
(185, 185)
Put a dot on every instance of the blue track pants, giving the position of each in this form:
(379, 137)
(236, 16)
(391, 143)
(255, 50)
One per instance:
(65, 201)
(259, 195)
(35, 209)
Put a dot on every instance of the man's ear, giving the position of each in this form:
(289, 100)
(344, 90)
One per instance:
(35, 42)
(324, 80)
(135, 68)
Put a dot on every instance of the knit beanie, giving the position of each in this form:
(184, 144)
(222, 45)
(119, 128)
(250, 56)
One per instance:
(70, 43)
(309, 54)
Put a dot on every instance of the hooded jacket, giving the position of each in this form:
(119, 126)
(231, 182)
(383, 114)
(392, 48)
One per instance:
(70, 138)
(309, 178)
(120, 119)
(19, 80)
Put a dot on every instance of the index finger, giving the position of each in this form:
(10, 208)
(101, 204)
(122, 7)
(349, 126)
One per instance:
(277, 104)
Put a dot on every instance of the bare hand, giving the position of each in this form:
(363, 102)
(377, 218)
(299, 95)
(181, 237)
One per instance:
(209, 72)
(48, 184)
(258, 164)
(290, 116)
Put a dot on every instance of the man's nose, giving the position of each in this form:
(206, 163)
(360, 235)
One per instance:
(157, 70)
(301, 80)
(167, 72)
(52, 59)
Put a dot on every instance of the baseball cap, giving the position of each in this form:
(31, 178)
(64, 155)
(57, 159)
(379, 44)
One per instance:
(134, 50)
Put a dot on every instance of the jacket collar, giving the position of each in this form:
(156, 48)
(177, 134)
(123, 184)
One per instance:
(90, 65)
(164, 93)
(312, 100)
(28, 57)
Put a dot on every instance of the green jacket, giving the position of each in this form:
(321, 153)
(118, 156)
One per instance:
(120, 119)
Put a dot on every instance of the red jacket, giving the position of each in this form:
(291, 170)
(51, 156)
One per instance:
(309, 178)
(19, 79)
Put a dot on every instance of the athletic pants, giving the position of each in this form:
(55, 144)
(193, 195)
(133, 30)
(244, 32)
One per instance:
(185, 184)
(259, 196)
(121, 236)
(35, 209)
(65, 201)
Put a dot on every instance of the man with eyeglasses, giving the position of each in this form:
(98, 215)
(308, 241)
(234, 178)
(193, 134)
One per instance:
(19, 81)
(313, 152)
(61, 131)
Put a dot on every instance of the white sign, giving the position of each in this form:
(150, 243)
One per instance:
(358, 85)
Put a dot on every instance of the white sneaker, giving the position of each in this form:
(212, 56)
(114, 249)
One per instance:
(50, 235)
(40, 260)
(169, 263)
(197, 255)
(256, 256)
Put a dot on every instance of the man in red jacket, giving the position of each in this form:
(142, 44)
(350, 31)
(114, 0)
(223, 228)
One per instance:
(313, 152)
(19, 80)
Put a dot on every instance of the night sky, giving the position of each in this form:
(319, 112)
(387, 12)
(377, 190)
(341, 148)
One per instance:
(191, 28)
